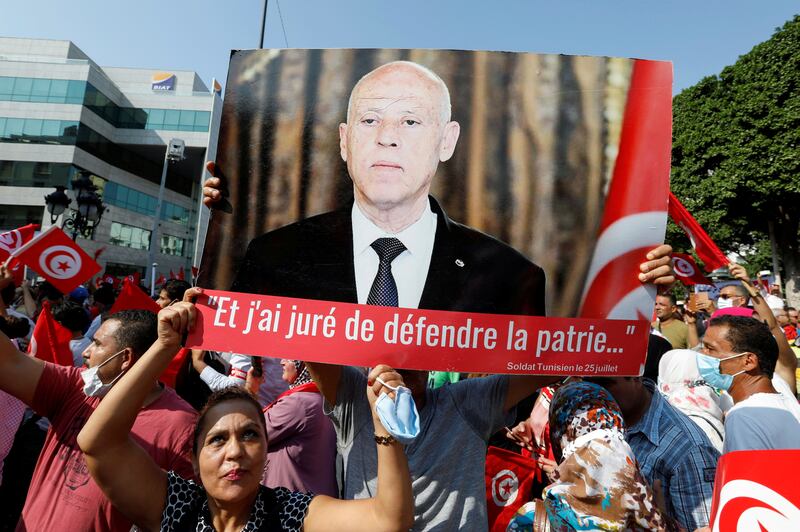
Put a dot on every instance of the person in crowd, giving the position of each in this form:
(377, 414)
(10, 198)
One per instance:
(171, 291)
(398, 130)
(11, 409)
(62, 496)
(72, 316)
(680, 382)
(739, 356)
(669, 323)
(598, 485)
(792, 314)
(669, 447)
(732, 295)
(102, 300)
(774, 299)
(230, 446)
(302, 442)
(782, 317)
(7, 293)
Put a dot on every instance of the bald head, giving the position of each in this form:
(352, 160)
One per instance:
(423, 74)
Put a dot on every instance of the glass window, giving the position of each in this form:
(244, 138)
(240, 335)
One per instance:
(171, 118)
(6, 87)
(22, 89)
(2, 127)
(40, 90)
(155, 119)
(13, 216)
(51, 128)
(14, 127)
(58, 91)
(32, 127)
(186, 122)
(75, 91)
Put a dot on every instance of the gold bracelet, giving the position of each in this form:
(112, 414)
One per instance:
(384, 440)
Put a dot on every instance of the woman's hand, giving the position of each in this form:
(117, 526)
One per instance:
(374, 387)
(173, 322)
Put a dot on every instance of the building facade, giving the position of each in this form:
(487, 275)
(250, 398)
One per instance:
(61, 114)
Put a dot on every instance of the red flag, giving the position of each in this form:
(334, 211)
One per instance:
(161, 280)
(705, 248)
(195, 271)
(98, 252)
(634, 218)
(509, 479)
(687, 270)
(12, 241)
(171, 274)
(134, 278)
(753, 490)
(182, 274)
(131, 297)
(54, 256)
(50, 339)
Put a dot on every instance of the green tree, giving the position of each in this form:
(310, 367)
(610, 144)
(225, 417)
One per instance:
(736, 155)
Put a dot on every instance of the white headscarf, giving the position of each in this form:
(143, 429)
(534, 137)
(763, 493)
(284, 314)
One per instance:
(680, 382)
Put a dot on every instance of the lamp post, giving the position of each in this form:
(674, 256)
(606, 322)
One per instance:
(86, 218)
(173, 153)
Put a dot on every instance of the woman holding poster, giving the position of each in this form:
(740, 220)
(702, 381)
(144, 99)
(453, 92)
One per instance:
(230, 446)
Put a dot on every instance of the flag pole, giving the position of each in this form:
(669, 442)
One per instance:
(263, 24)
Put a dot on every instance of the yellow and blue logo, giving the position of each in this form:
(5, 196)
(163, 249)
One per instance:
(163, 81)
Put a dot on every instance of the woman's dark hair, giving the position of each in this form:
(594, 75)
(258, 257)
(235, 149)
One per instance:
(231, 393)
(14, 327)
(72, 316)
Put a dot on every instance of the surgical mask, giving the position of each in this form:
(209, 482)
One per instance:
(92, 385)
(399, 417)
(709, 371)
(725, 303)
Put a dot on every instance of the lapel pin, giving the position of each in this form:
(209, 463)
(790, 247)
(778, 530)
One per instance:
(459, 263)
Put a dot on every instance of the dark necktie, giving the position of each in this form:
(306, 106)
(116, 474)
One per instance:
(384, 289)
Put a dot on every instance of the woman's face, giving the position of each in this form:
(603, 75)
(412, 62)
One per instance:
(289, 370)
(231, 452)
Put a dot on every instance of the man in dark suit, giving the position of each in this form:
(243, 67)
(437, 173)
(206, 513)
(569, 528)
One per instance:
(395, 246)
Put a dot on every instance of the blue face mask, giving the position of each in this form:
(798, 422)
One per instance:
(709, 371)
(399, 417)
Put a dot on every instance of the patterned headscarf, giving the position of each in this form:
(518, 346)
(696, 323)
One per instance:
(303, 376)
(577, 409)
(598, 483)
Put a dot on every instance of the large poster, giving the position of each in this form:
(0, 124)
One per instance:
(494, 169)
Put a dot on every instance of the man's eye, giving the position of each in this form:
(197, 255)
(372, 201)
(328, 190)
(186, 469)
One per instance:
(410, 122)
(369, 121)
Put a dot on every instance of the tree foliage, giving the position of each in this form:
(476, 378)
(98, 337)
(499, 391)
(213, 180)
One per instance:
(736, 151)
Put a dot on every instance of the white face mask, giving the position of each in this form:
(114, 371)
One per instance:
(92, 385)
(725, 303)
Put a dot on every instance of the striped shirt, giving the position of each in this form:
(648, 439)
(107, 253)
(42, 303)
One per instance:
(671, 447)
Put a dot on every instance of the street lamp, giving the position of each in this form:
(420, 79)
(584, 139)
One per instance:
(57, 202)
(172, 154)
(86, 218)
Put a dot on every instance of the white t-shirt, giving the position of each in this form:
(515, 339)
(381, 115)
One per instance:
(764, 421)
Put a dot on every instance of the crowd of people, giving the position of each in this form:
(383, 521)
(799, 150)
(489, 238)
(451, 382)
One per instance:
(139, 431)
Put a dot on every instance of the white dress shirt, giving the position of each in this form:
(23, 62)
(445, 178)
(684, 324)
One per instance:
(409, 269)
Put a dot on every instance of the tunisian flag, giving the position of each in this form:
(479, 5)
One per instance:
(50, 339)
(12, 241)
(705, 248)
(752, 491)
(509, 478)
(687, 270)
(54, 256)
(634, 218)
(131, 297)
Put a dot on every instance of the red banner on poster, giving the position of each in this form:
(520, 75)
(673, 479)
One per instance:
(756, 490)
(364, 335)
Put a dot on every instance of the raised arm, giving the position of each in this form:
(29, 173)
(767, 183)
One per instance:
(392, 507)
(787, 361)
(116, 462)
(19, 373)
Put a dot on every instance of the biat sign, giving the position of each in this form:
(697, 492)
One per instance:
(163, 81)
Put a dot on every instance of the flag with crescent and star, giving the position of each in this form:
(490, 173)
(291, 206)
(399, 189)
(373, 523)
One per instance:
(54, 256)
(12, 241)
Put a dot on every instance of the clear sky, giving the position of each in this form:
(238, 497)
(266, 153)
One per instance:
(699, 36)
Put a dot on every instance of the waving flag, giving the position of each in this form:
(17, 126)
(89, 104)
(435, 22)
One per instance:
(131, 297)
(705, 248)
(687, 270)
(637, 198)
(12, 241)
(50, 339)
(54, 256)
(509, 480)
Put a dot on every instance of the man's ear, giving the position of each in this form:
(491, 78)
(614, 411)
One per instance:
(449, 139)
(750, 361)
(128, 358)
(343, 141)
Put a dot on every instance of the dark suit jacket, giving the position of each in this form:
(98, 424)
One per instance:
(469, 271)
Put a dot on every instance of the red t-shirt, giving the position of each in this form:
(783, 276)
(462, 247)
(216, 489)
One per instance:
(62, 494)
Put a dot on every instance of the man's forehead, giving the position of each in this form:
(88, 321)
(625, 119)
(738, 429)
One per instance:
(717, 336)
(106, 331)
